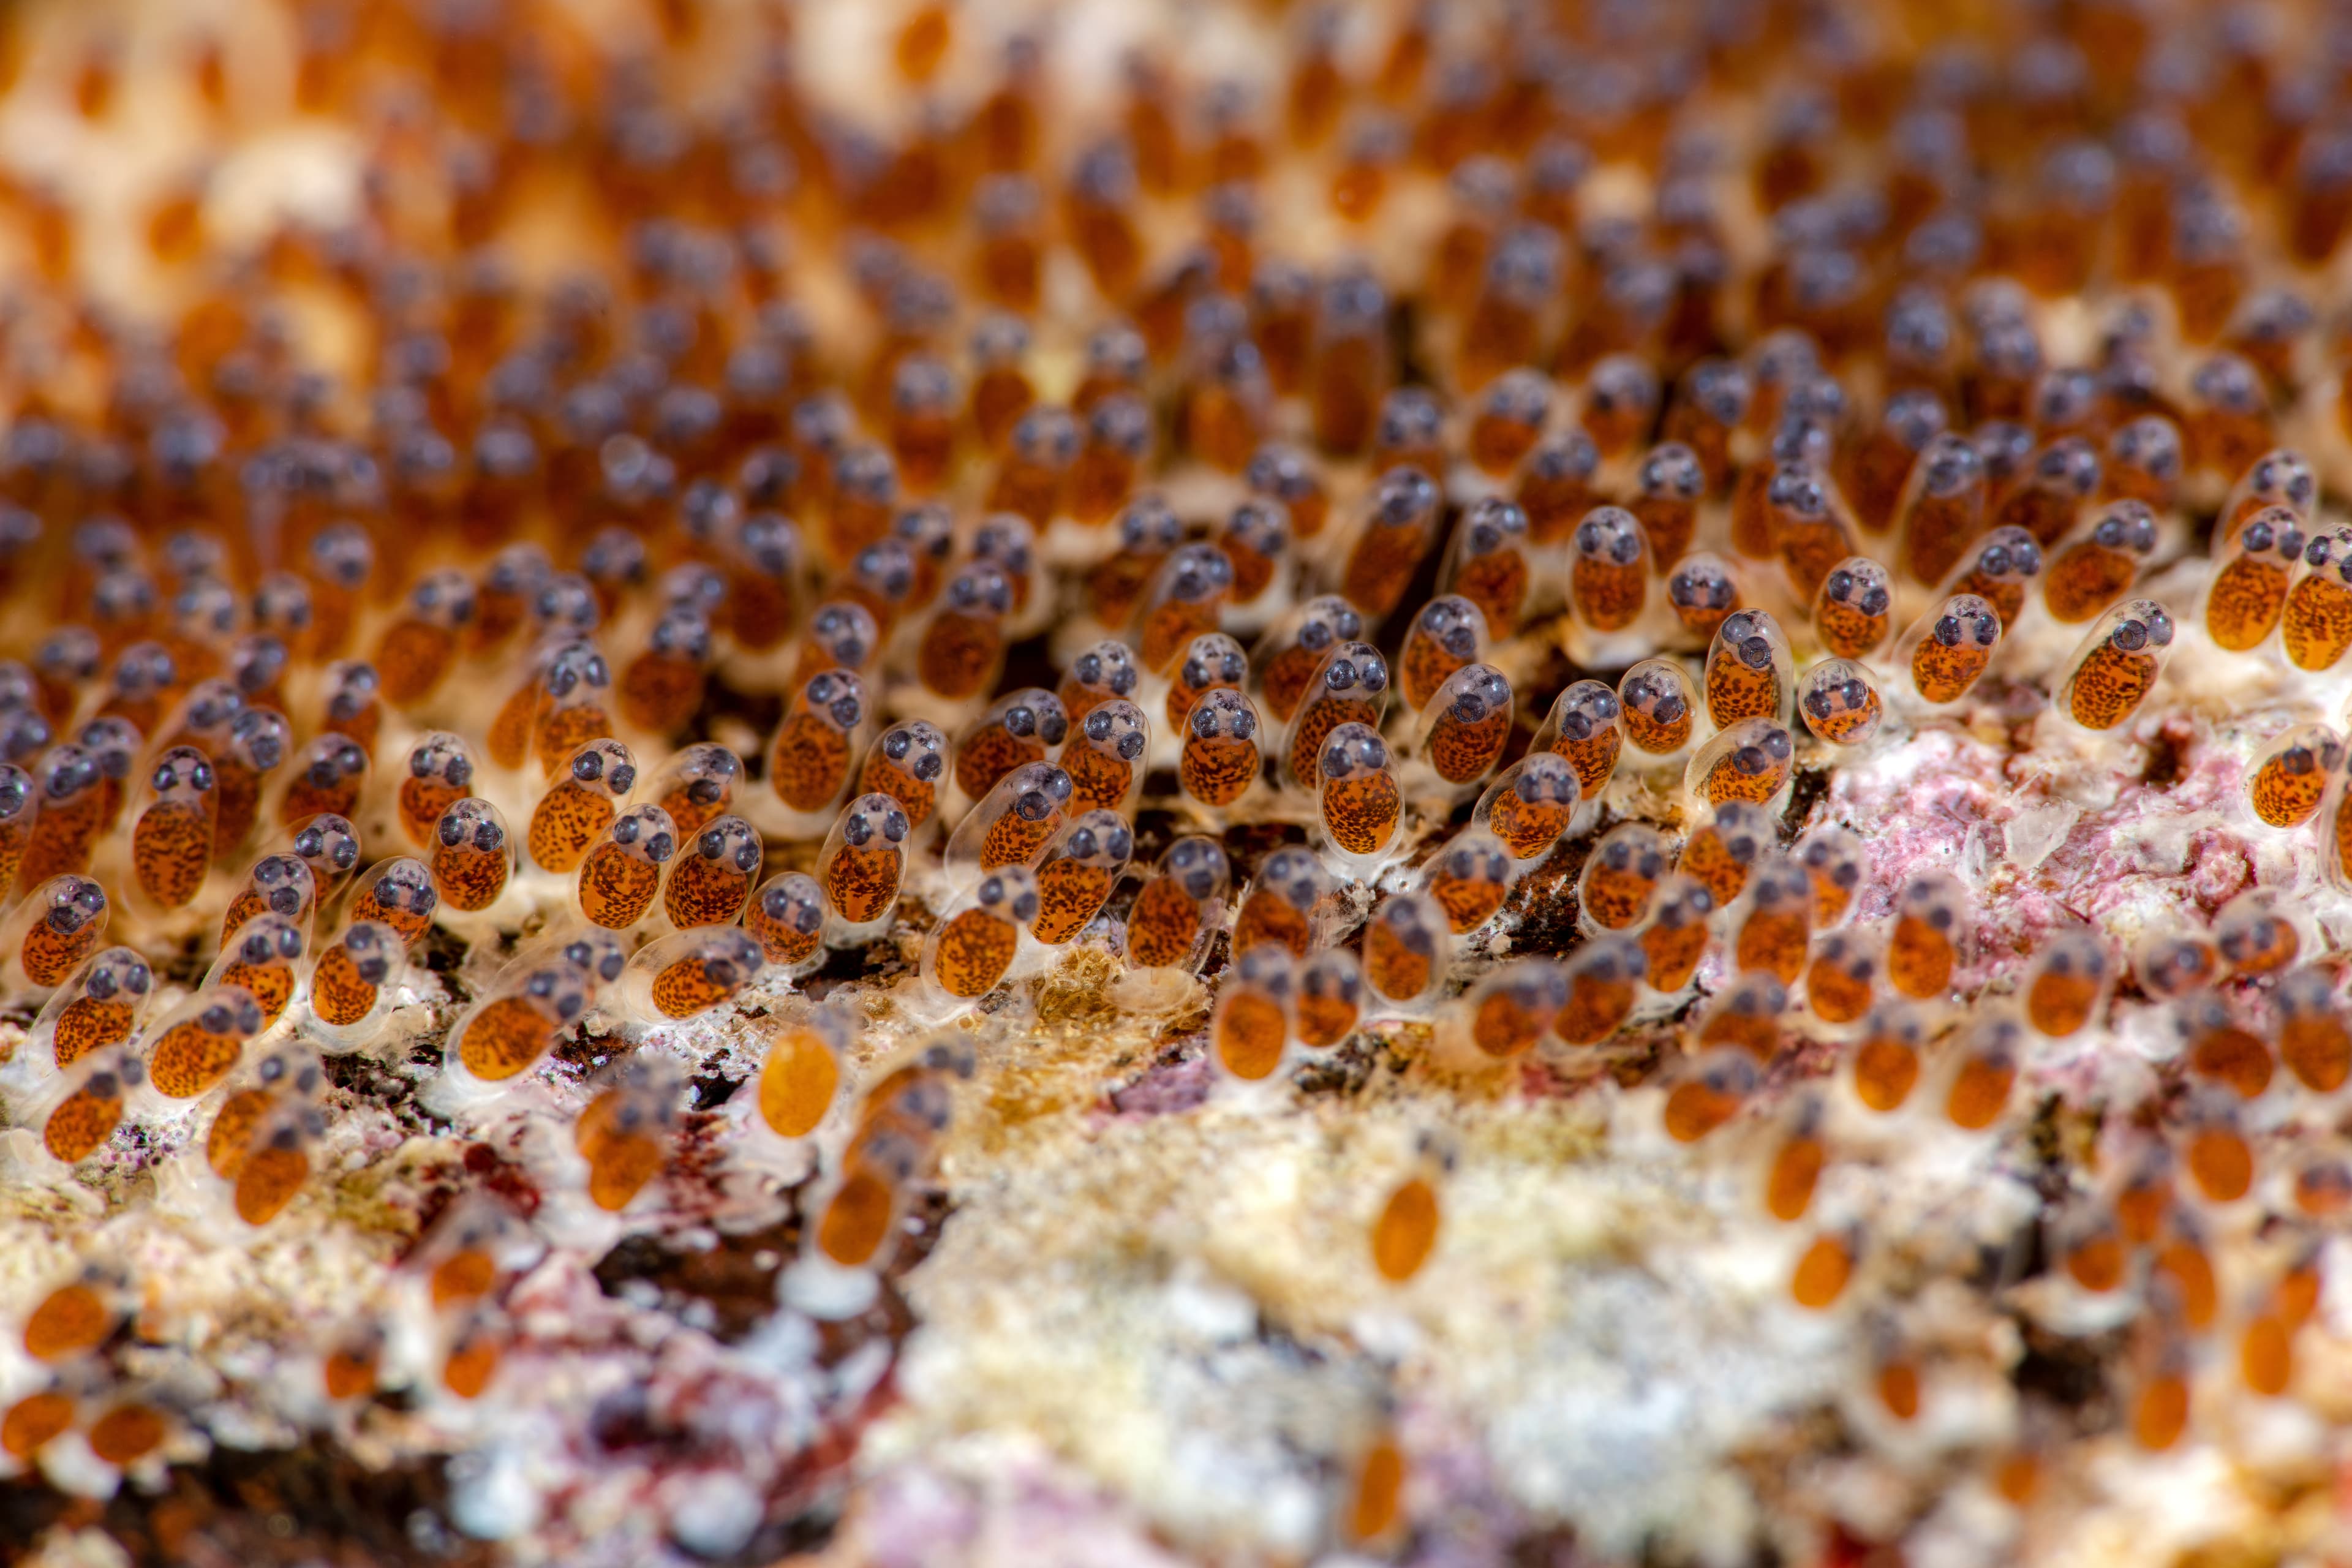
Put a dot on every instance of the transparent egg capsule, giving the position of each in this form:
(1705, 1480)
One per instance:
(2056, 485)
(1105, 758)
(688, 974)
(1725, 846)
(351, 980)
(1350, 687)
(1287, 660)
(1750, 672)
(1839, 702)
(1753, 760)
(507, 1032)
(1180, 907)
(2247, 593)
(64, 828)
(265, 958)
(1558, 485)
(1946, 650)
(1703, 592)
(47, 936)
(1510, 418)
(697, 784)
(566, 704)
(2066, 983)
(1585, 726)
(1187, 598)
(2002, 567)
(1529, 804)
(1283, 473)
(2174, 964)
(2099, 564)
(1886, 1056)
(1609, 580)
(661, 685)
(1249, 1032)
(1713, 1088)
(2256, 934)
(1255, 543)
(2143, 461)
(1329, 999)
(503, 595)
(1009, 541)
(2115, 666)
(1810, 529)
(1747, 1014)
(1619, 877)
(1408, 947)
(1358, 801)
(1284, 903)
(97, 1009)
(2291, 777)
(143, 676)
(327, 779)
(802, 1073)
(1842, 975)
(2218, 1047)
(1873, 469)
(398, 893)
(256, 743)
(1038, 454)
(1014, 822)
(1103, 671)
(1603, 978)
(787, 915)
(809, 757)
(202, 715)
(2280, 477)
(1148, 532)
(1487, 563)
(171, 838)
(191, 1048)
(80, 1117)
(1448, 634)
(1212, 662)
(1509, 1010)
(114, 744)
(260, 1141)
(1943, 507)
(1464, 727)
(862, 864)
(418, 648)
(1656, 707)
(2311, 1029)
(1470, 877)
(1078, 874)
(2315, 623)
(712, 876)
(621, 872)
(1019, 727)
(472, 854)
(19, 805)
(623, 1132)
(1671, 484)
(578, 805)
(350, 703)
(972, 948)
(1220, 757)
(1837, 864)
(1391, 540)
(1772, 923)
(841, 635)
(1118, 445)
(1932, 935)
(1853, 608)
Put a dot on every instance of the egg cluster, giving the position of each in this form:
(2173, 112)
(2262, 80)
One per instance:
(1398, 558)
